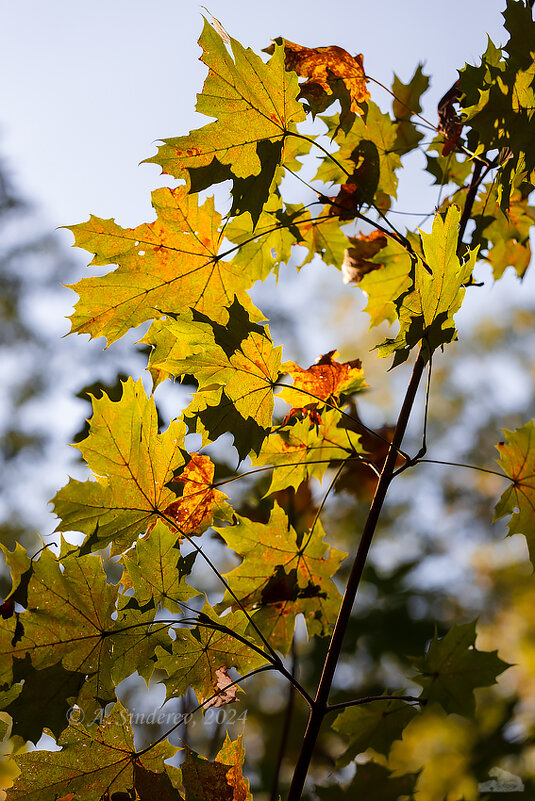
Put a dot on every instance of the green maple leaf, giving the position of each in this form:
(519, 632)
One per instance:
(371, 781)
(21, 568)
(255, 105)
(220, 780)
(323, 236)
(40, 699)
(367, 151)
(452, 668)
(375, 725)
(156, 570)
(499, 100)
(212, 414)
(266, 243)
(517, 460)
(235, 366)
(132, 464)
(92, 762)
(505, 237)
(69, 622)
(387, 284)
(282, 576)
(171, 264)
(426, 312)
(406, 103)
(447, 169)
(196, 655)
(303, 450)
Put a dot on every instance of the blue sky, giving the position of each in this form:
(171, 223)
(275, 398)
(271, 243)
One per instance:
(89, 86)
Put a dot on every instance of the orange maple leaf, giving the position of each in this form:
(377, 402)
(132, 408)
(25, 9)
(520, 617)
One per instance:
(325, 65)
(323, 380)
(195, 510)
(356, 258)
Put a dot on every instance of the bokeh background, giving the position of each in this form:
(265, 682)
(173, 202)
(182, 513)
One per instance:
(87, 90)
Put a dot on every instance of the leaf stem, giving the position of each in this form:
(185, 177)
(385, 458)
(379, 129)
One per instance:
(335, 646)
(371, 698)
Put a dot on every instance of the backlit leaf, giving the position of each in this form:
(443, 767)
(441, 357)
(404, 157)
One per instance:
(324, 66)
(132, 464)
(327, 379)
(254, 105)
(195, 656)
(92, 761)
(169, 265)
(156, 570)
(200, 502)
(282, 576)
(517, 460)
(304, 450)
(357, 256)
(220, 780)
(87, 640)
(427, 311)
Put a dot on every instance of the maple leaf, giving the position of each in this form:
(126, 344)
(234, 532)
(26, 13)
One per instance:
(517, 460)
(366, 156)
(21, 568)
(452, 668)
(91, 762)
(156, 570)
(266, 243)
(302, 451)
(200, 502)
(88, 640)
(449, 121)
(325, 380)
(132, 464)
(227, 691)
(504, 236)
(323, 66)
(283, 575)
(447, 169)
(374, 725)
(386, 285)
(499, 98)
(195, 656)
(238, 357)
(357, 256)
(322, 236)
(40, 699)
(427, 311)
(170, 264)
(220, 780)
(255, 106)
(371, 780)
(406, 104)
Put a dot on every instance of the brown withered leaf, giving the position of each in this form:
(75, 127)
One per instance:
(200, 501)
(323, 66)
(227, 691)
(357, 257)
(323, 380)
(449, 122)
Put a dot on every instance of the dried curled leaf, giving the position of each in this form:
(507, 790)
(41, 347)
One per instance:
(225, 689)
(323, 66)
(357, 257)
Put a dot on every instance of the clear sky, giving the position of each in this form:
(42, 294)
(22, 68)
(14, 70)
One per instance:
(89, 86)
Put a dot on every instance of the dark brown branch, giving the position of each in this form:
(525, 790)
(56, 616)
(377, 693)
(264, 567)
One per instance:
(320, 707)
